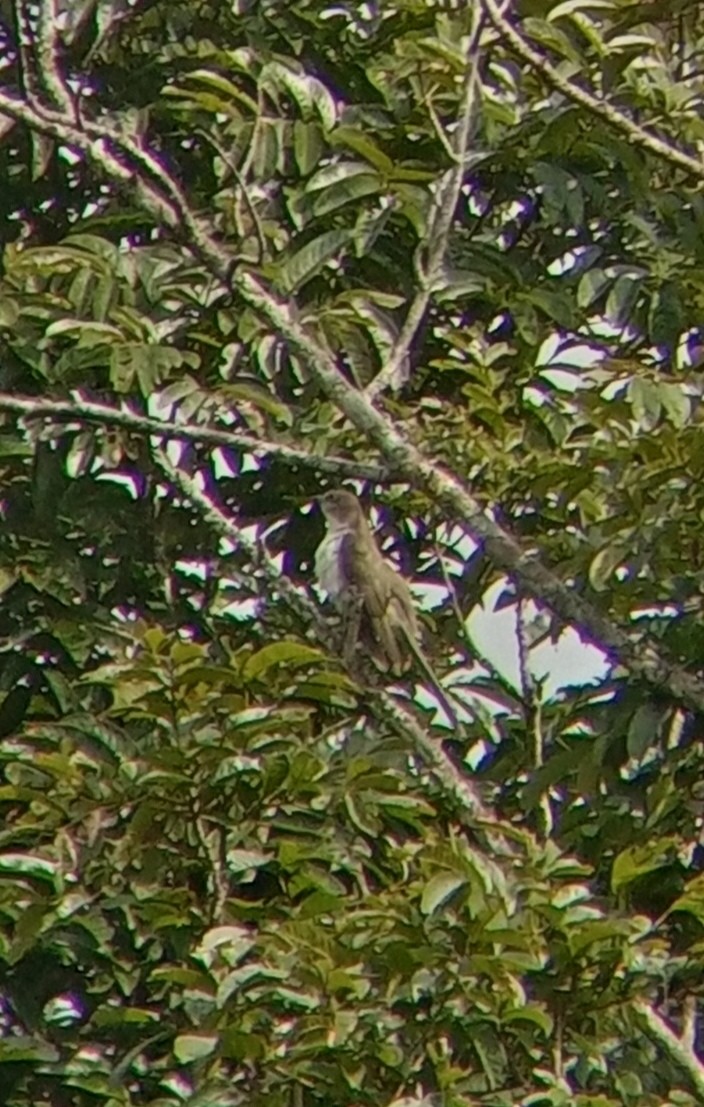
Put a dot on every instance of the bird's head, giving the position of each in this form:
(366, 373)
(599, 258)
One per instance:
(341, 508)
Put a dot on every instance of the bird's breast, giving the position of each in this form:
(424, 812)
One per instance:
(328, 565)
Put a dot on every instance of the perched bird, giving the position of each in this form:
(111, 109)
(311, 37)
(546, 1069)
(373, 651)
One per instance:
(375, 598)
(350, 567)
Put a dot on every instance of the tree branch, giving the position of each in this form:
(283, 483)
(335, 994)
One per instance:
(161, 195)
(636, 134)
(48, 56)
(104, 415)
(641, 657)
(678, 1050)
(29, 81)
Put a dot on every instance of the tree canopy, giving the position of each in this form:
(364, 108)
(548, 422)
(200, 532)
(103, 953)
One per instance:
(448, 255)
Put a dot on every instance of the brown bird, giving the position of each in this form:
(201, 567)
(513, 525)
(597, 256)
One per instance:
(351, 569)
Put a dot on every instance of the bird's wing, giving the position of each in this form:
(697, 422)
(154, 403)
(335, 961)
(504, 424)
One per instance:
(347, 561)
(387, 605)
(400, 607)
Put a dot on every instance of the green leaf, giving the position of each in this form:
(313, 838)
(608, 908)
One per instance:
(363, 145)
(287, 652)
(646, 401)
(636, 861)
(227, 88)
(676, 403)
(570, 7)
(29, 864)
(308, 146)
(260, 398)
(692, 900)
(241, 860)
(604, 564)
(531, 1013)
(194, 1047)
(311, 258)
(123, 1016)
(439, 889)
(335, 196)
(592, 285)
(9, 312)
(622, 299)
(89, 333)
(26, 1048)
(643, 730)
(310, 94)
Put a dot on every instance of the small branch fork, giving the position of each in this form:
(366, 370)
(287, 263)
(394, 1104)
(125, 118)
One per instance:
(680, 1050)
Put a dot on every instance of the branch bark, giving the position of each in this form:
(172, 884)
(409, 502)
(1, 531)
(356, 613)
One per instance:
(640, 656)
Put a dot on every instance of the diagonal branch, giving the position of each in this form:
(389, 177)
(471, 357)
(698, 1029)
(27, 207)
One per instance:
(48, 56)
(678, 1049)
(636, 134)
(29, 80)
(123, 158)
(640, 656)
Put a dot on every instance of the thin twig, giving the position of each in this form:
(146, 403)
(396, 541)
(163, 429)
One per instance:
(29, 80)
(531, 694)
(48, 53)
(243, 192)
(440, 221)
(474, 653)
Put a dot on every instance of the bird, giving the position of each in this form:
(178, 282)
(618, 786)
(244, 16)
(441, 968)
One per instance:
(350, 567)
(374, 596)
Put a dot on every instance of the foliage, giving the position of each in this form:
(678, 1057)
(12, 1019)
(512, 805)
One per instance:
(226, 876)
